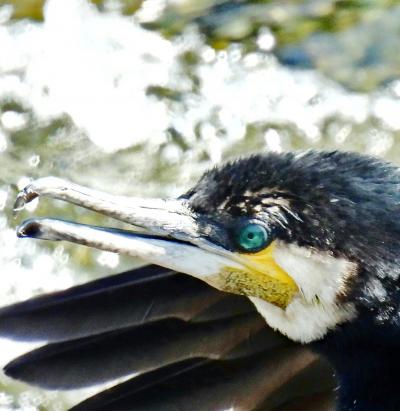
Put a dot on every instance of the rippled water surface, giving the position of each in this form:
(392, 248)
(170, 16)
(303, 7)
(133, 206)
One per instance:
(140, 97)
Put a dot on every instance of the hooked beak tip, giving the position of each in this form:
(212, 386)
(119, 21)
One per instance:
(23, 198)
(29, 228)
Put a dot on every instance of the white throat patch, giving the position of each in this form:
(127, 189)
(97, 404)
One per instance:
(321, 278)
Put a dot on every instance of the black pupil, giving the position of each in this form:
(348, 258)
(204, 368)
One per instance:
(250, 236)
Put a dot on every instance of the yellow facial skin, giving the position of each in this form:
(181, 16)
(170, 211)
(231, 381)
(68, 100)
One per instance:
(262, 278)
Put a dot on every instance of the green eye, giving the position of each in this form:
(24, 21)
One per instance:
(252, 237)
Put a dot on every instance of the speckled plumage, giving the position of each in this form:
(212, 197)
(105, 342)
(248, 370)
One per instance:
(343, 203)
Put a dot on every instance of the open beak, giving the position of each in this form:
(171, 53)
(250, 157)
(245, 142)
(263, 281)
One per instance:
(166, 233)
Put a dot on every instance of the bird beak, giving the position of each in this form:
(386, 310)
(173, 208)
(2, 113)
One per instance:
(166, 233)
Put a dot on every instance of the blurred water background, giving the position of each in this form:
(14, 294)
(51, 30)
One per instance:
(139, 97)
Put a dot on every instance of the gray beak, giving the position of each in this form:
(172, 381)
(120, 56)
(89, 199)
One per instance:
(165, 232)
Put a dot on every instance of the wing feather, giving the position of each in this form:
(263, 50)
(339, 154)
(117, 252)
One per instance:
(188, 345)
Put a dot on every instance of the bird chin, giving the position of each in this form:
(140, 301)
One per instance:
(304, 322)
(320, 306)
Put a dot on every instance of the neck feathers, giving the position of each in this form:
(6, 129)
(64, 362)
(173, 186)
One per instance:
(366, 359)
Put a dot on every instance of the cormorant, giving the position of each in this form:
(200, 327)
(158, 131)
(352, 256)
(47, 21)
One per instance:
(312, 239)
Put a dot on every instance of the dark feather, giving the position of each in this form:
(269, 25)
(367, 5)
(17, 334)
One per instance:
(100, 358)
(134, 297)
(319, 402)
(214, 385)
(188, 343)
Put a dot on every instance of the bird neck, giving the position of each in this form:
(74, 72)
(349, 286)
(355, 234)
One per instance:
(366, 360)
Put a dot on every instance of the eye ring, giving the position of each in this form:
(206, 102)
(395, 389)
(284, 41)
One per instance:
(252, 237)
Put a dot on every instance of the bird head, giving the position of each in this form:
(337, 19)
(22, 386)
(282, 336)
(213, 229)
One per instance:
(308, 237)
